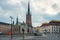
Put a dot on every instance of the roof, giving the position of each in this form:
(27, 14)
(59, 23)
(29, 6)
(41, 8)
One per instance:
(4, 23)
(55, 21)
(45, 24)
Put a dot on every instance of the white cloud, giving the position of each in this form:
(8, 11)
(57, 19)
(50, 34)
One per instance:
(38, 20)
(51, 11)
(44, 7)
(39, 8)
(13, 2)
(36, 24)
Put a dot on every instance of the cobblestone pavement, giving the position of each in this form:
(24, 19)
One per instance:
(44, 37)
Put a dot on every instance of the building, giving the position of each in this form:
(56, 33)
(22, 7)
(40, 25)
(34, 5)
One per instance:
(16, 29)
(28, 19)
(6, 27)
(37, 29)
(23, 26)
(51, 27)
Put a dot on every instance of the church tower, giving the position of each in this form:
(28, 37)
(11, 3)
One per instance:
(28, 17)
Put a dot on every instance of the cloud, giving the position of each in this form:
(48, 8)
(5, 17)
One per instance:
(51, 12)
(36, 24)
(44, 7)
(13, 2)
(38, 20)
(13, 8)
(41, 10)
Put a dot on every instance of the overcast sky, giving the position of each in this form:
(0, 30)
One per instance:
(41, 10)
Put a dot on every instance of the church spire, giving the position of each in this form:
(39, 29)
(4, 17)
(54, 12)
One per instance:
(28, 8)
(17, 20)
(28, 16)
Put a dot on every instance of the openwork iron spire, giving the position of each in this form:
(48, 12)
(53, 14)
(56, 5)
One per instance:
(28, 8)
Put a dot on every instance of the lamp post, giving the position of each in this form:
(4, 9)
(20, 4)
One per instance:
(23, 33)
(11, 26)
(23, 30)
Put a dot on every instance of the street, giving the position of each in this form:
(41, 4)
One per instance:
(44, 37)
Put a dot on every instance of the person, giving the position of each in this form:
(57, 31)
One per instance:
(33, 31)
(9, 33)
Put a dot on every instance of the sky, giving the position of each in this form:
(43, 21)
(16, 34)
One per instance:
(41, 10)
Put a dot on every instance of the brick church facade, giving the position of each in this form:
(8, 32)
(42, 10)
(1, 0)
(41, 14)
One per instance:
(28, 17)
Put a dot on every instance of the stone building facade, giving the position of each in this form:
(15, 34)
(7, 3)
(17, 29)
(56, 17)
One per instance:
(51, 27)
(6, 27)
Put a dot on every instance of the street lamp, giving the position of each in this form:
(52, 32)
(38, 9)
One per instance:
(23, 33)
(23, 29)
(11, 26)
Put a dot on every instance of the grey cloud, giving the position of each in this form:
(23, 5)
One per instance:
(55, 6)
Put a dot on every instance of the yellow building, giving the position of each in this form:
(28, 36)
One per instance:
(37, 29)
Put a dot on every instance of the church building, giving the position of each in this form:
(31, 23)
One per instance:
(28, 18)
